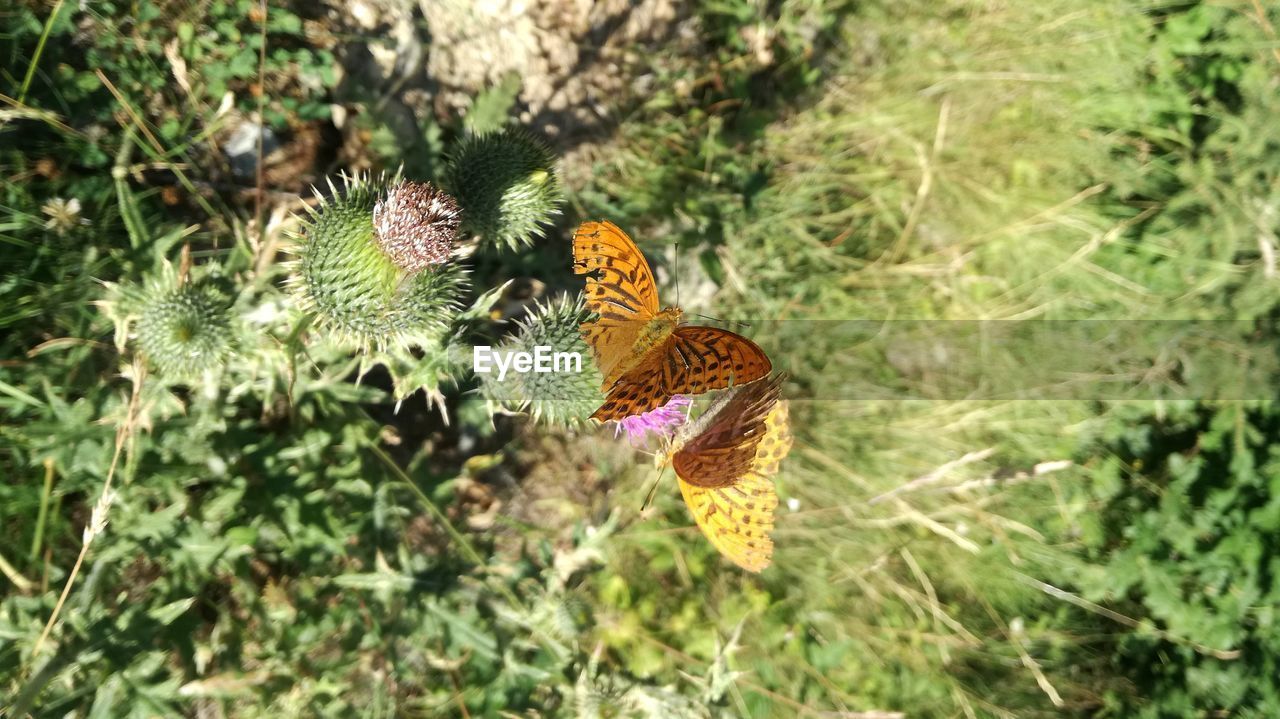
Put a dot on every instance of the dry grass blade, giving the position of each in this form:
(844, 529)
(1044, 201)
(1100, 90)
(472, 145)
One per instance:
(1071, 598)
(98, 520)
(936, 475)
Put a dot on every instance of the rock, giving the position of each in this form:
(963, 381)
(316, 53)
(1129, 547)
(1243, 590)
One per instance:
(241, 147)
(567, 53)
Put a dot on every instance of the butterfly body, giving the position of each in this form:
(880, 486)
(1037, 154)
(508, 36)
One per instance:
(645, 354)
(652, 336)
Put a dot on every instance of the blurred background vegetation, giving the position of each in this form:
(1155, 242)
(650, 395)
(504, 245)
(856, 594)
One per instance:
(287, 541)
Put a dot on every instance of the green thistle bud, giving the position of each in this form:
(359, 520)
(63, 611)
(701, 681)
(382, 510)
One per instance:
(507, 186)
(186, 330)
(557, 398)
(373, 262)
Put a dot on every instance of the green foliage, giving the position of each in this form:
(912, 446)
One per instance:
(181, 54)
(1195, 172)
(507, 185)
(1182, 530)
(700, 127)
(488, 112)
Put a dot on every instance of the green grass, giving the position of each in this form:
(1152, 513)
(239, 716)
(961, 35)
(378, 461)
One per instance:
(285, 542)
(970, 161)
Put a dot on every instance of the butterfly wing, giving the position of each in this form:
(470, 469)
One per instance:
(692, 361)
(621, 292)
(737, 518)
(723, 452)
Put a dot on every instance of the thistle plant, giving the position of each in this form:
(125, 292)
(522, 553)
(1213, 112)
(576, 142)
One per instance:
(564, 398)
(507, 187)
(374, 265)
(185, 330)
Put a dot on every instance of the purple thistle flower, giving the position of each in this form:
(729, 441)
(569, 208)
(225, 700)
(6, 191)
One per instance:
(661, 421)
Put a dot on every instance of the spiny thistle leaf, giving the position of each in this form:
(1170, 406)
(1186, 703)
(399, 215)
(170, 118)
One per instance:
(186, 330)
(558, 398)
(507, 186)
(356, 288)
(430, 368)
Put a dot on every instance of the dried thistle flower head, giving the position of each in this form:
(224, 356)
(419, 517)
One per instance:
(355, 287)
(415, 224)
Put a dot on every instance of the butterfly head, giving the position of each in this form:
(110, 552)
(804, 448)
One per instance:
(674, 443)
(671, 314)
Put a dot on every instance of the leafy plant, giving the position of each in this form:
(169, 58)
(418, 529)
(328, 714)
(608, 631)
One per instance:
(279, 524)
(1182, 532)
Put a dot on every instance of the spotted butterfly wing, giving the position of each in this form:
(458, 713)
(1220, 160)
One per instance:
(644, 354)
(621, 293)
(722, 442)
(693, 361)
(726, 474)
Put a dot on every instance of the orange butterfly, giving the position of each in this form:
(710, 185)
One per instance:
(725, 462)
(645, 355)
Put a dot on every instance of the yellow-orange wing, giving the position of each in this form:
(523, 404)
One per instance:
(621, 292)
(735, 511)
(692, 361)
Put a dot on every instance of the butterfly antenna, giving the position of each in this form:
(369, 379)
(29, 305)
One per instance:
(676, 272)
(717, 319)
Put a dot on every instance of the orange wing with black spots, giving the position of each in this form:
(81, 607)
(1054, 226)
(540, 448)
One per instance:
(645, 364)
(693, 361)
(621, 292)
(723, 452)
(726, 474)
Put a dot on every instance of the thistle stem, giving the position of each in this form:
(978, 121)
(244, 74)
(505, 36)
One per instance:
(43, 515)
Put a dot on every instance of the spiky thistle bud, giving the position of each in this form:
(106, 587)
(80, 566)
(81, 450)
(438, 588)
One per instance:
(185, 330)
(507, 185)
(379, 277)
(415, 224)
(559, 398)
